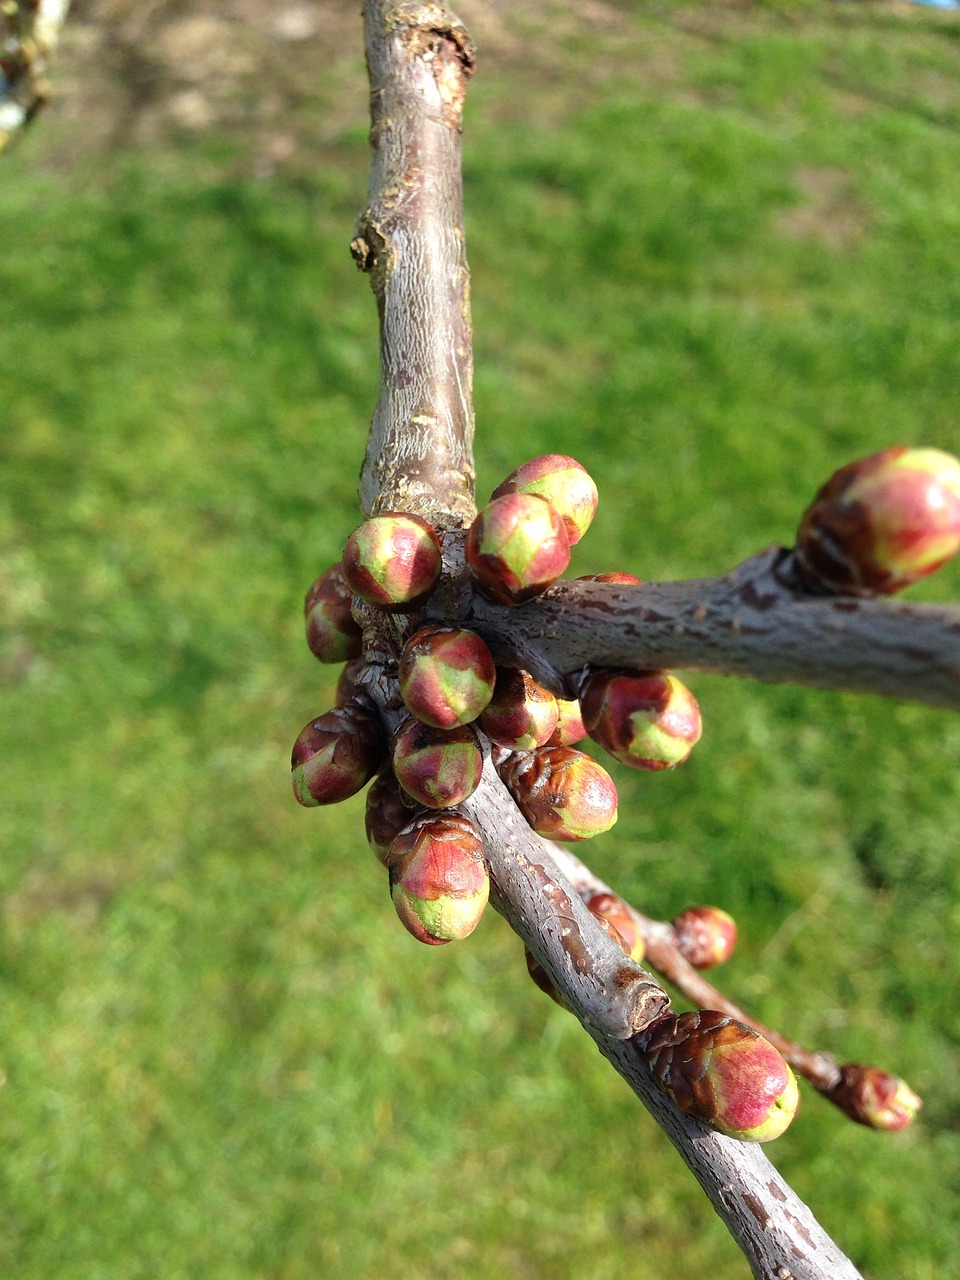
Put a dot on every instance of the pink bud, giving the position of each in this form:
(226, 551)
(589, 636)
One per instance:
(881, 523)
(563, 794)
(337, 754)
(439, 882)
(516, 547)
(614, 912)
(562, 482)
(522, 714)
(446, 676)
(332, 634)
(393, 561)
(646, 720)
(570, 727)
(874, 1097)
(439, 768)
(722, 1073)
(706, 936)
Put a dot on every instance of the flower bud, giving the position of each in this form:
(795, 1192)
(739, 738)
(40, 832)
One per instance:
(522, 714)
(337, 754)
(439, 768)
(446, 676)
(439, 882)
(621, 579)
(873, 1097)
(516, 547)
(722, 1073)
(881, 523)
(563, 794)
(570, 727)
(706, 936)
(393, 560)
(646, 720)
(386, 815)
(332, 634)
(562, 482)
(613, 911)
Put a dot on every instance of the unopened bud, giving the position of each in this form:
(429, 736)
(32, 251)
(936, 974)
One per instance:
(522, 714)
(562, 482)
(874, 1097)
(439, 882)
(393, 560)
(446, 676)
(439, 768)
(613, 911)
(516, 547)
(881, 523)
(387, 813)
(722, 1073)
(332, 634)
(563, 794)
(570, 727)
(706, 936)
(337, 754)
(646, 720)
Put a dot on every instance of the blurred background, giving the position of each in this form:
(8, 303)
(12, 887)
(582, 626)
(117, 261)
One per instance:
(714, 257)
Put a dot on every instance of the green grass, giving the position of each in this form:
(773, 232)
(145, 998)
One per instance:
(222, 1056)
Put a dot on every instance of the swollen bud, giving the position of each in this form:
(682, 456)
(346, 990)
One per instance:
(562, 482)
(439, 768)
(387, 813)
(646, 720)
(722, 1073)
(613, 911)
(516, 547)
(393, 560)
(446, 676)
(439, 883)
(522, 714)
(706, 936)
(337, 754)
(570, 727)
(563, 794)
(332, 634)
(874, 1097)
(881, 523)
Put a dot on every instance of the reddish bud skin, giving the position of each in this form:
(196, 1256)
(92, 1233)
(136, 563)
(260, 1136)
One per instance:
(347, 686)
(562, 482)
(439, 882)
(439, 768)
(706, 936)
(722, 1073)
(874, 1097)
(614, 912)
(881, 523)
(563, 794)
(387, 814)
(646, 720)
(522, 714)
(541, 977)
(446, 676)
(332, 634)
(337, 754)
(393, 561)
(621, 579)
(570, 727)
(516, 547)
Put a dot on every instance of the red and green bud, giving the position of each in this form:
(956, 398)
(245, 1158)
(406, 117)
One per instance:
(646, 720)
(332, 634)
(562, 482)
(347, 686)
(563, 794)
(522, 714)
(706, 936)
(881, 523)
(874, 1097)
(516, 547)
(393, 561)
(722, 1073)
(439, 882)
(387, 813)
(337, 754)
(439, 768)
(570, 727)
(620, 579)
(615, 913)
(446, 676)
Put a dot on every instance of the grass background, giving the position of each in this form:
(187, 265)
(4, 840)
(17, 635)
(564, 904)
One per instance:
(714, 256)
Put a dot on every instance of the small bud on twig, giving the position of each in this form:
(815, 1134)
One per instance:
(874, 1097)
(387, 813)
(570, 727)
(646, 720)
(562, 793)
(706, 936)
(446, 676)
(439, 882)
(516, 547)
(613, 911)
(439, 768)
(522, 714)
(332, 634)
(562, 482)
(337, 754)
(393, 560)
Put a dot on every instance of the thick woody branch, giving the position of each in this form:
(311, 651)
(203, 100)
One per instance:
(410, 239)
(751, 622)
